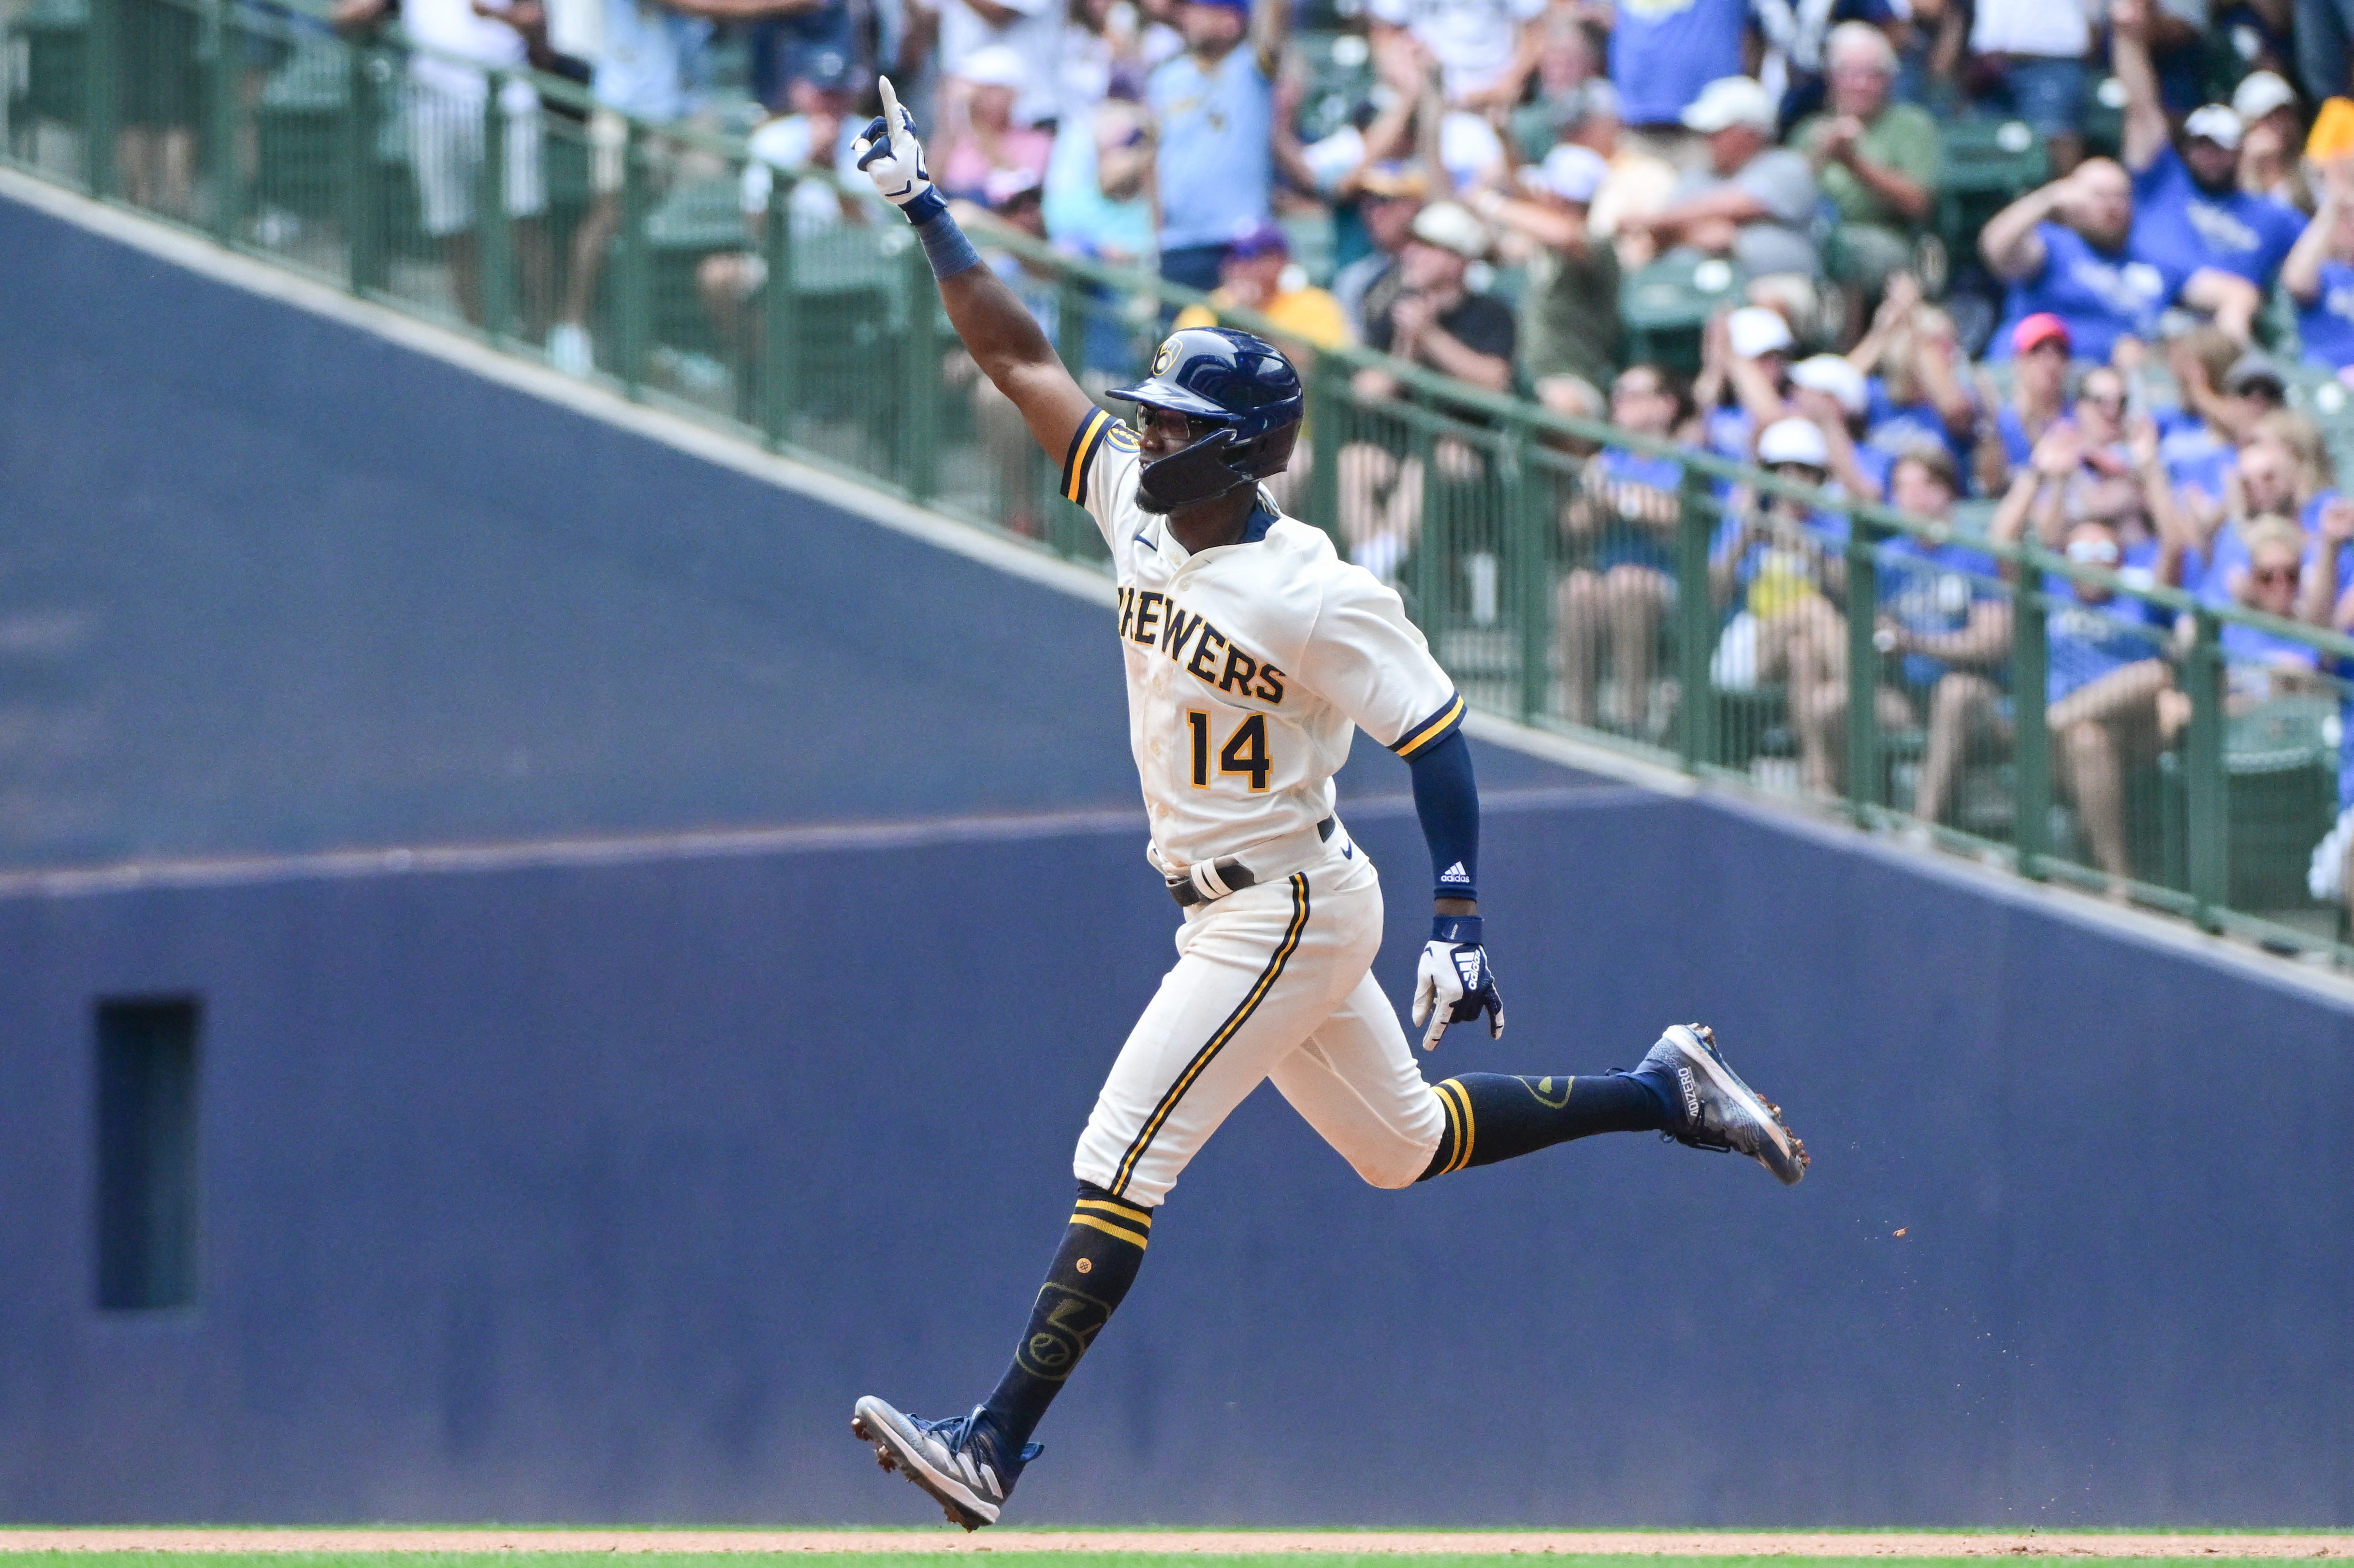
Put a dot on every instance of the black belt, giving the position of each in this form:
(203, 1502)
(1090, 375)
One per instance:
(1233, 873)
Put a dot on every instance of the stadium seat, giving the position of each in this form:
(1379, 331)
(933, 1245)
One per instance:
(2281, 778)
(1666, 304)
(299, 130)
(1534, 131)
(1309, 233)
(49, 84)
(694, 220)
(1990, 163)
(1340, 78)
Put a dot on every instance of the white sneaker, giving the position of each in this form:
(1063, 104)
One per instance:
(958, 1461)
(570, 351)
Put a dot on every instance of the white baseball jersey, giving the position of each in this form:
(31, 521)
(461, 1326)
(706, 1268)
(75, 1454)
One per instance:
(1249, 667)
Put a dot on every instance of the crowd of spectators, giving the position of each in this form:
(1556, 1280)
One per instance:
(1470, 185)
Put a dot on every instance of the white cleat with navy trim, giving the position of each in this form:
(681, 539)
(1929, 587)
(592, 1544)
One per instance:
(960, 1461)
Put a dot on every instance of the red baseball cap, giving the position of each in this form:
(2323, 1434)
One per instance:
(2037, 330)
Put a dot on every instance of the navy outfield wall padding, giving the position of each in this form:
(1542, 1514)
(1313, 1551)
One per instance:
(599, 1193)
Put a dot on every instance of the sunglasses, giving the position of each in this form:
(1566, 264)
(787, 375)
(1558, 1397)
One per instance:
(2093, 552)
(1169, 423)
(2276, 574)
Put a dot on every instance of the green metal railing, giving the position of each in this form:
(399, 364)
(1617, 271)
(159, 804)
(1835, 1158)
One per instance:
(1568, 574)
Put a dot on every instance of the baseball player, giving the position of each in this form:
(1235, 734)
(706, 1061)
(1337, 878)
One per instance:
(1253, 654)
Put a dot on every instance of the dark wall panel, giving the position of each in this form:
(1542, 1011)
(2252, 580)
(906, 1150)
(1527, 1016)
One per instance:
(601, 1194)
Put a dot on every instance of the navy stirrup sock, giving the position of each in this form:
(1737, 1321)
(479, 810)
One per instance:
(1491, 1116)
(1102, 1248)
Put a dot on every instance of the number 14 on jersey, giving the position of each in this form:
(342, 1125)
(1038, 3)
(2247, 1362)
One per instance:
(1244, 753)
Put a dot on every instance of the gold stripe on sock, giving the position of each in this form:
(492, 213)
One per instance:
(1120, 1211)
(1134, 1238)
(1462, 1099)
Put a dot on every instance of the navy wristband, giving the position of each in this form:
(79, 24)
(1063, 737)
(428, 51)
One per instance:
(1462, 929)
(945, 246)
(924, 206)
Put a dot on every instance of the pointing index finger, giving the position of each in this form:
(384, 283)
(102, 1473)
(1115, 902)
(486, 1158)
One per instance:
(892, 117)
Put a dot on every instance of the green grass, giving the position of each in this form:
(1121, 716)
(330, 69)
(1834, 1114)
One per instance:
(933, 1560)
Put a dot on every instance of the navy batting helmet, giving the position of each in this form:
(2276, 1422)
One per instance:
(1229, 379)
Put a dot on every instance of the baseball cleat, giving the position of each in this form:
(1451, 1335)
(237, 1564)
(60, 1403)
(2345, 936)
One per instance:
(958, 1461)
(1716, 1111)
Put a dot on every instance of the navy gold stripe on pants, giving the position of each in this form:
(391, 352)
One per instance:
(1217, 1040)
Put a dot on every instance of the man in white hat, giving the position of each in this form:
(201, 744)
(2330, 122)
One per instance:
(1754, 201)
(1436, 320)
(2190, 212)
(1743, 378)
(1570, 334)
(1828, 391)
(1781, 560)
(2271, 138)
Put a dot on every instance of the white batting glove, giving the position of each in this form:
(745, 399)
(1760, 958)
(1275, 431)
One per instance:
(1453, 983)
(892, 157)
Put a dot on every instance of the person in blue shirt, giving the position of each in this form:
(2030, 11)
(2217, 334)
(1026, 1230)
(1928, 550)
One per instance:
(2040, 350)
(2065, 252)
(2110, 701)
(2109, 698)
(1777, 565)
(1929, 593)
(2190, 211)
(2261, 664)
(2272, 479)
(1215, 106)
(1914, 394)
(1662, 52)
(2319, 272)
(1620, 532)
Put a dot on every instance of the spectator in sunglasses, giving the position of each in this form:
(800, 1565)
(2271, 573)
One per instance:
(2260, 665)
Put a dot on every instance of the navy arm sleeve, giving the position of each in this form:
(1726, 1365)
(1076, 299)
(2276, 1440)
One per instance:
(1446, 799)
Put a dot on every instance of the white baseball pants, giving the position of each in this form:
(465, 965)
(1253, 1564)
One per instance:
(1270, 982)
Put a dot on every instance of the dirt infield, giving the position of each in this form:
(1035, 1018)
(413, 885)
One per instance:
(1647, 1543)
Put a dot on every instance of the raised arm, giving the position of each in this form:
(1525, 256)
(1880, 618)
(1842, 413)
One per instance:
(2300, 274)
(1270, 27)
(2146, 132)
(2012, 248)
(2231, 299)
(2176, 538)
(2321, 585)
(999, 334)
